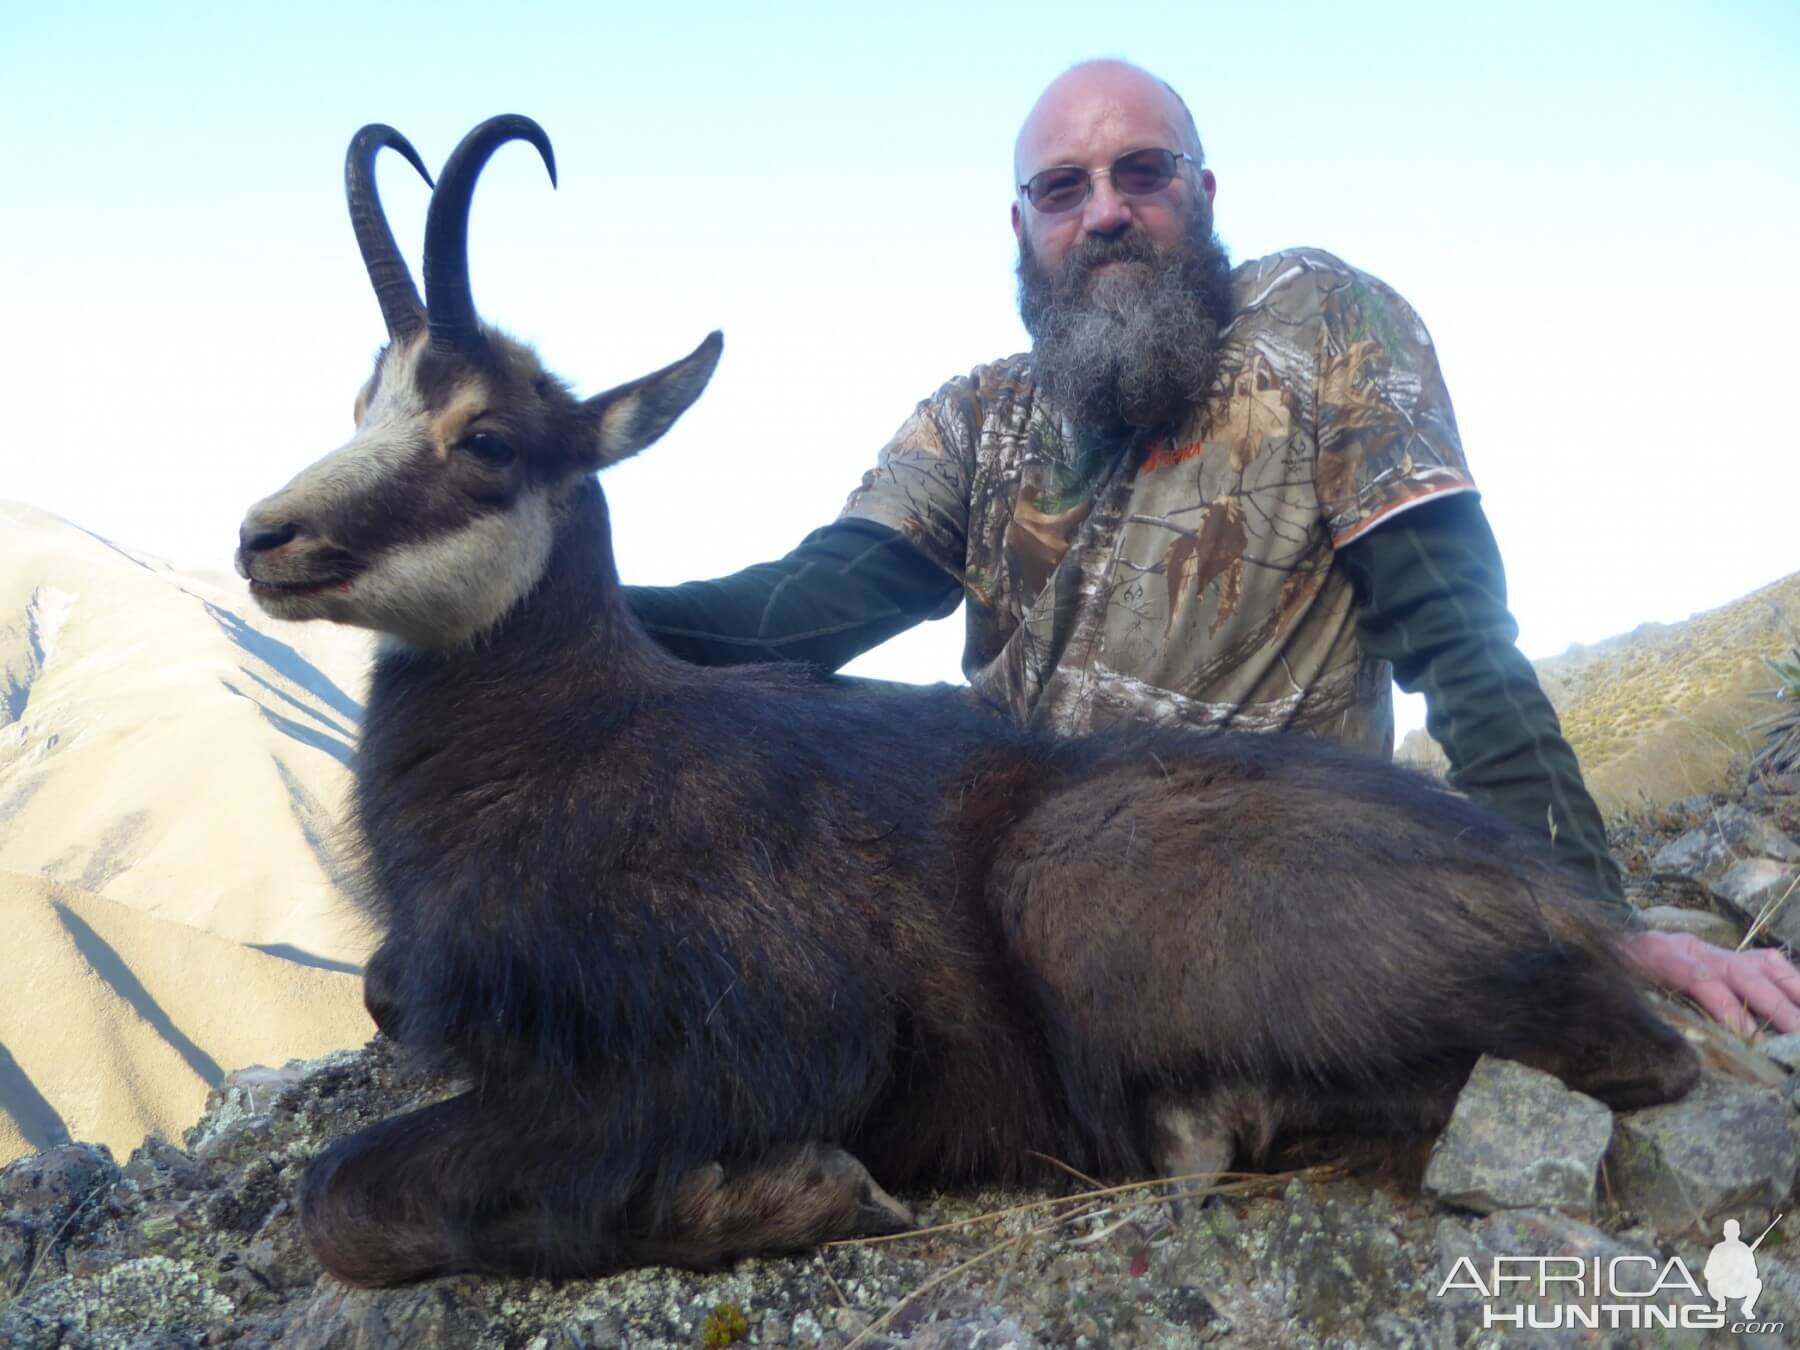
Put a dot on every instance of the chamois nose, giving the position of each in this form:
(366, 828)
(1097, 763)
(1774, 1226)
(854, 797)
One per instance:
(256, 538)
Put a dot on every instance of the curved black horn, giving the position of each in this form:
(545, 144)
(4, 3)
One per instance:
(394, 288)
(448, 303)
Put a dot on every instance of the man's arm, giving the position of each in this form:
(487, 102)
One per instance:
(848, 587)
(892, 558)
(1434, 603)
(1432, 593)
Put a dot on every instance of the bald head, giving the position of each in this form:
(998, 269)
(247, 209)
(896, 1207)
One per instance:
(1092, 101)
(1089, 116)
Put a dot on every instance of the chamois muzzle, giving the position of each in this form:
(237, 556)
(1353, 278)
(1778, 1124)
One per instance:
(401, 307)
(448, 304)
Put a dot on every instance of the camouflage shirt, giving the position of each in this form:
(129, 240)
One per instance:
(1186, 579)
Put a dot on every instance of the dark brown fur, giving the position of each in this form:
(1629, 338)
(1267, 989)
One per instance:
(669, 919)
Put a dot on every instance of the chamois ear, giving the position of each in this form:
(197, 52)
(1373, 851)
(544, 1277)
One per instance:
(623, 421)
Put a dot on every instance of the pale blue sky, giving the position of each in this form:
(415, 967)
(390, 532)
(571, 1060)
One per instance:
(1593, 206)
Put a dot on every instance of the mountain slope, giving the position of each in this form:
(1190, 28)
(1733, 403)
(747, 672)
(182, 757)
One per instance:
(115, 1024)
(163, 745)
(1659, 712)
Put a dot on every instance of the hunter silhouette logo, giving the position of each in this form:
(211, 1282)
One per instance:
(1632, 1291)
(1731, 1269)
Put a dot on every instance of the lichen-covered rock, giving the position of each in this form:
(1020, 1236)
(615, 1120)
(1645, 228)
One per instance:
(39, 1195)
(245, 1097)
(1727, 1150)
(1348, 1264)
(438, 1313)
(199, 1245)
(985, 1331)
(147, 1301)
(1519, 1139)
(1729, 834)
(1490, 1310)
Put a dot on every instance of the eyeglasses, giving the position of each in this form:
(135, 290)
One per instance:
(1137, 173)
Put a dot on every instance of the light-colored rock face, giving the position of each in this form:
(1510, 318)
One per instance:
(165, 746)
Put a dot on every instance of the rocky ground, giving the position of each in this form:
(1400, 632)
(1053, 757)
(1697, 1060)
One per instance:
(1718, 863)
(196, 1244)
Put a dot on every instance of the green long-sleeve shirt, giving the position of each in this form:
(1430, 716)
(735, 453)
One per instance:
(1431, 594)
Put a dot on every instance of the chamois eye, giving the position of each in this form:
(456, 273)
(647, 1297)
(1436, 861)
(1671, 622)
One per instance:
(488, 448)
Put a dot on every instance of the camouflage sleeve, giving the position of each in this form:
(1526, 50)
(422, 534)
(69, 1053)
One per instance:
(920, 484)
(1386, 432)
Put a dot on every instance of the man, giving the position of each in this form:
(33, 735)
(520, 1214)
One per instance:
(1206, 496)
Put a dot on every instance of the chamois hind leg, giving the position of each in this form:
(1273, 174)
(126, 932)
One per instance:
(787, 1200)
(1287, 922)
(464, 1186)
(1193, 1137)
(1381, 1130)
(1645, 1064)
(1191, 1141)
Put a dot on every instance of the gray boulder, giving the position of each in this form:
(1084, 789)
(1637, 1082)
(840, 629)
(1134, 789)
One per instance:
(1726, 1151)
(1519, 1139)
(1752, 887)
(1728, 835)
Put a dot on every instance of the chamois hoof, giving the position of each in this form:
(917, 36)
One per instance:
(878, 1214)
(797, 1198)
(873, 1212)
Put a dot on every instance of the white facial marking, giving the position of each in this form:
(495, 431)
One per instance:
(446, 591)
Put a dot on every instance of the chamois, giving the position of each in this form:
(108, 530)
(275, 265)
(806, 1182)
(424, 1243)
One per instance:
(723, 953)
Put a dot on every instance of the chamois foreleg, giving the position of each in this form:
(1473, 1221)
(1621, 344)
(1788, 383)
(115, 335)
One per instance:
(464, 1185)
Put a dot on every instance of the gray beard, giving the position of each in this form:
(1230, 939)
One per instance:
(1137, 346)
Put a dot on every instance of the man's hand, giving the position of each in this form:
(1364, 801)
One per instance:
(1740, 989)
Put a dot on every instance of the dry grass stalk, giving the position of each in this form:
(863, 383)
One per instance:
(1084, 1205)
(1769, 911)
